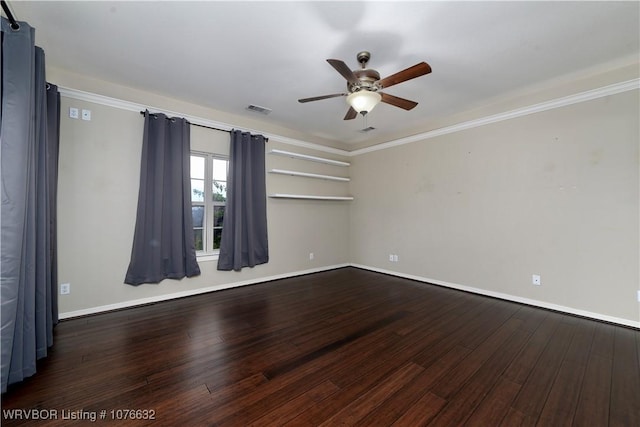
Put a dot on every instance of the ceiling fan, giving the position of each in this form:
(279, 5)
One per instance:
(364, 86)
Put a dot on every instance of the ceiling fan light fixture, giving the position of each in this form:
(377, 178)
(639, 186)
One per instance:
(364, 101)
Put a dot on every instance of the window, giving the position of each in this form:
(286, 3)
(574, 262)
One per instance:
(208, 200)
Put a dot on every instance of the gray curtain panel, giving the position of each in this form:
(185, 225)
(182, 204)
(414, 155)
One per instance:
(163, 243)
(29, 130)
(244, 241)
(53, 145)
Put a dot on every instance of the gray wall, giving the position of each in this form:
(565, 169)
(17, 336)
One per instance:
(98, 190)
(553, 193)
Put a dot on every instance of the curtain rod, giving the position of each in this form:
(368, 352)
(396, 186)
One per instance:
(203, 126)
(12, 20)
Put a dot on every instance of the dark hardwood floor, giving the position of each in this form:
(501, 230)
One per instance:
(343, 347)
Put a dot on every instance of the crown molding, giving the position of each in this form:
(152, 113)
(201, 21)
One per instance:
(134, 106)
(519, 112)
(470, 124)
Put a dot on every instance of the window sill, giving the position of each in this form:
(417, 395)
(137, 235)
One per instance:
(207, 257)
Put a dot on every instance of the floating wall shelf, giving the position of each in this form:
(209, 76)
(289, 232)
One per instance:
(309, 175)
(308, 197)
(310, 158)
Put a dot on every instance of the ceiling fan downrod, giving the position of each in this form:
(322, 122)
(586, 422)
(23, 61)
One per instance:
(363, 58)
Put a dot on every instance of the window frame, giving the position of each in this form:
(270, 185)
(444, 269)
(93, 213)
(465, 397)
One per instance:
(208, 220)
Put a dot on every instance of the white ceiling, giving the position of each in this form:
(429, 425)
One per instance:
(227, 55)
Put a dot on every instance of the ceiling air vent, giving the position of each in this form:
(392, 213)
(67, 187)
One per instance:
(259, 109)
(365, 130)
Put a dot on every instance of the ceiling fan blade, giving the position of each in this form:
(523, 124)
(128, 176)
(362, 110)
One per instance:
(351, 114)
(318, 98)
(402, 76)
(397, 102)
(343, 69)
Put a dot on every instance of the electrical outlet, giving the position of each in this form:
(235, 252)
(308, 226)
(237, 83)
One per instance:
(65, 288)
(639, 296)
(395, 258)
(311, 256)
(391, 257)
(73, 113)
(86, 114)
(535, 279)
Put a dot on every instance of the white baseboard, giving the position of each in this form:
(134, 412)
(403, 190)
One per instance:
(499, 295)
(191, 292)
(507, 297)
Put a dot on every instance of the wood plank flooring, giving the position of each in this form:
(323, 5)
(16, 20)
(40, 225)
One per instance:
(342, 347)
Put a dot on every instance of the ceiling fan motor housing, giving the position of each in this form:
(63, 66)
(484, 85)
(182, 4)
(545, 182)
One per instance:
(368, 78)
